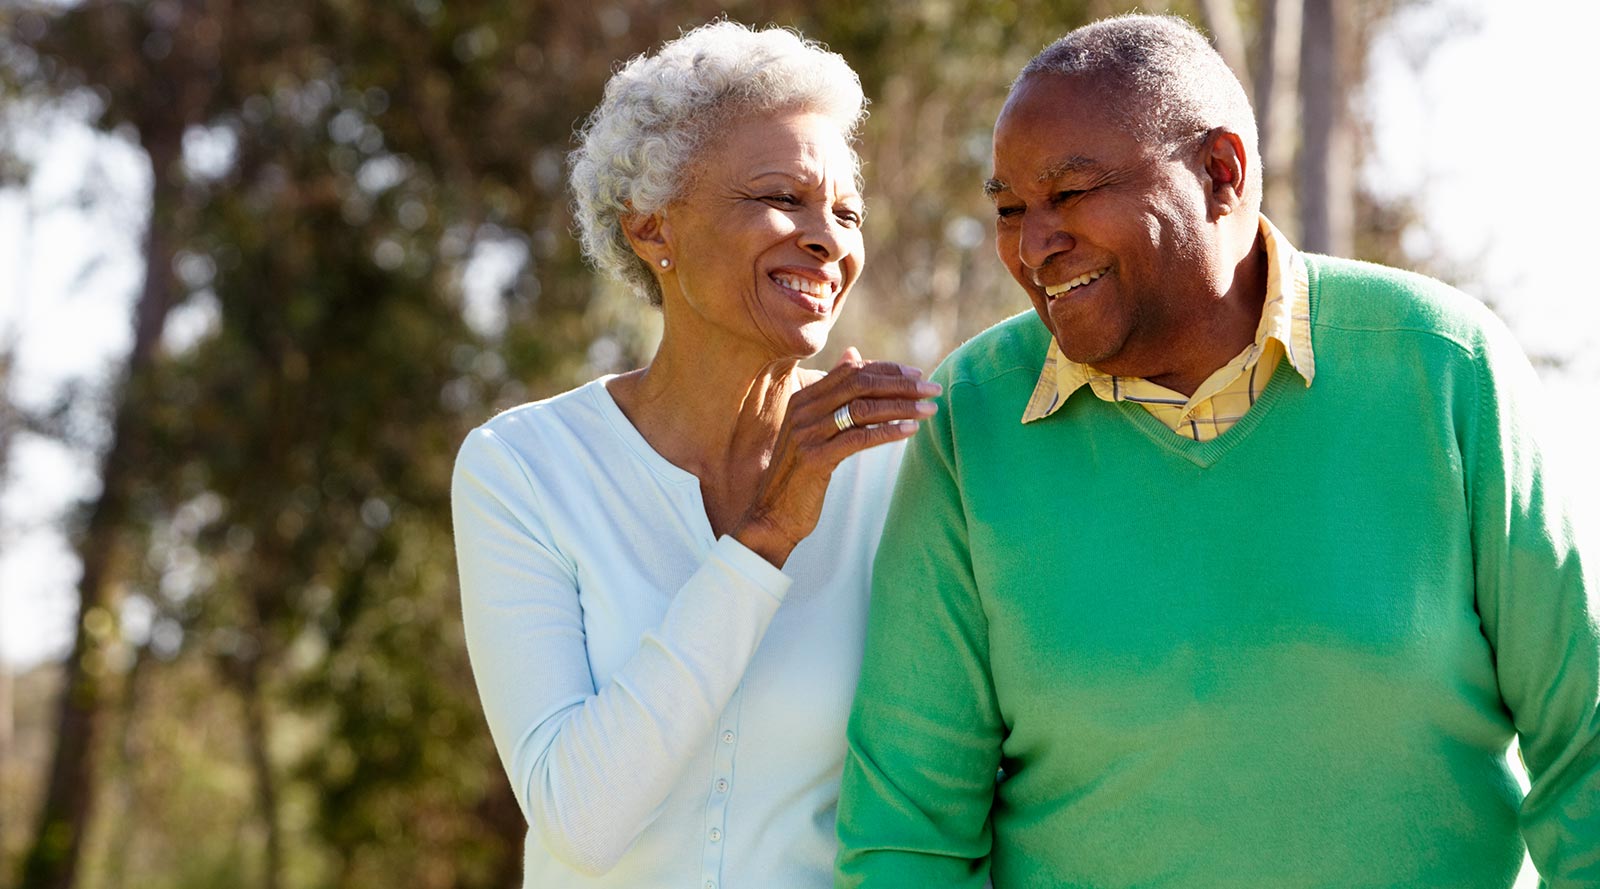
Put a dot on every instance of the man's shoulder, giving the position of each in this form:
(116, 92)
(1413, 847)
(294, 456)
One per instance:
(1016, 345)
(1352, 295)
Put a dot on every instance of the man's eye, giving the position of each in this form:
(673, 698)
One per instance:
(1008, 212)
(1063, 196)
(849, 217)
(787, 200)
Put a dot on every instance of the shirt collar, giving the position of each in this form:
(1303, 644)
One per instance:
(1285, 317)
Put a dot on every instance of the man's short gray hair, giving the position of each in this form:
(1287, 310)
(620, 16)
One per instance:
(1159, 74)
(637, 151)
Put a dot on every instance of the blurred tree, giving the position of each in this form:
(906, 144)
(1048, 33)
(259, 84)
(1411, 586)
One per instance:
(107, 47)
(319, 263)
(1277, 89)
(7, 693)
(1327, 191)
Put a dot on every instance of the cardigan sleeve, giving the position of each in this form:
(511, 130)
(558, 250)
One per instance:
(925, 731)
(1538, 595)
(591, 766)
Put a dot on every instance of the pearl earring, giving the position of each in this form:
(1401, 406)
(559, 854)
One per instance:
(665, 262)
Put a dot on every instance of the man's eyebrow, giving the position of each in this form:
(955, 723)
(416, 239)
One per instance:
(1067, 166)
(1076, 164)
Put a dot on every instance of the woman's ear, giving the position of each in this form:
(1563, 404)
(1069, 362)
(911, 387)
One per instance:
(647, 234)
(1225, 163)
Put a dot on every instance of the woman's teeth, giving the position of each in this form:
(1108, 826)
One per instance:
(807, 286)
(1058, 289)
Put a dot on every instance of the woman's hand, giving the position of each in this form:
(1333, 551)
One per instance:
(884, 401)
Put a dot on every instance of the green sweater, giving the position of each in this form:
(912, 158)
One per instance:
(1294, 656)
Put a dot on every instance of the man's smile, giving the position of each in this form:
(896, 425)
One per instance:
(1055, 290)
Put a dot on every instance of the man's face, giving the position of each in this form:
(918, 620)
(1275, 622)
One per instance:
(1107, 235)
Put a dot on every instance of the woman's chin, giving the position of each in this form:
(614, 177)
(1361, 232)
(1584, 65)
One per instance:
(813, 337)
(800, 341)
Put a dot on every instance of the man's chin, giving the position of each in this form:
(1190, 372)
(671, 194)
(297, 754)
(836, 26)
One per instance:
(1081, 338)
(1081, 352)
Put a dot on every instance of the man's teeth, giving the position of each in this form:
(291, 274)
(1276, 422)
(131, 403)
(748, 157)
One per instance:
(807, 286)
(1058, 289)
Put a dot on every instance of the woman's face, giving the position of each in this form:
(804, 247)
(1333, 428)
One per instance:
(766, 241)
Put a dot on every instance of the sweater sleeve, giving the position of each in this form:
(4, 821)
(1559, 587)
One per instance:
(1539, 600)
(925, 731)
(591, 766)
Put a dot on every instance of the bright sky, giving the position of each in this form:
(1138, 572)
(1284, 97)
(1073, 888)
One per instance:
(1489, 133)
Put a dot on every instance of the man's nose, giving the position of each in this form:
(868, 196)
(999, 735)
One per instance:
(1043, 236)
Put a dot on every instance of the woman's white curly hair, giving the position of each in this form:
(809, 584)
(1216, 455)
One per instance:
(636, 152)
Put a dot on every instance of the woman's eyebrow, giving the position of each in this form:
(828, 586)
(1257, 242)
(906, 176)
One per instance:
(803, 177)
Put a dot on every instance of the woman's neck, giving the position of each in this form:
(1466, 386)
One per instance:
(712, 411)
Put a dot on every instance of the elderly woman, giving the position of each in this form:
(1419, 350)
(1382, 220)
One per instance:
(664, 573)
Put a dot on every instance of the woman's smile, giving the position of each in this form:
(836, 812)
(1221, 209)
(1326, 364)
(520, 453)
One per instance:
(810, 293)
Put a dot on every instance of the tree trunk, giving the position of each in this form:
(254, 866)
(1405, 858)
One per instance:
(7, 724)
(1327, 199)
(8, 428)
(1222, 20)
(125, 817)
(52, 862)
(257, 734)
(1277, 95)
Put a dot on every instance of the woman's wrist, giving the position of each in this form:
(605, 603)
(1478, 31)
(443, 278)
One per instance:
(761, 538)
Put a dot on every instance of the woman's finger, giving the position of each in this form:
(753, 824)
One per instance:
(892, 368)
(844, 376)
(868, 411)
(865, 399)
(877, 385)
(841, 386)
(860, 438)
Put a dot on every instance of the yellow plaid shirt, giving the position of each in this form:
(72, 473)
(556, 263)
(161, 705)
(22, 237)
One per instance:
(1284, 331)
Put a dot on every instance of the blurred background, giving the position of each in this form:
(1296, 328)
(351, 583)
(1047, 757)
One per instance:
(262, 265)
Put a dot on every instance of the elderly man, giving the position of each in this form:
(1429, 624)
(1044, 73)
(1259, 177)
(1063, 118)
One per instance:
(1240, 566)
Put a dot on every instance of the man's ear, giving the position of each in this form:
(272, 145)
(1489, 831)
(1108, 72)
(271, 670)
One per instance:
(1225, 164)
(647, 235)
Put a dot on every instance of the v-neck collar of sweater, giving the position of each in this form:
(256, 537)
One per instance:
(1205, 454)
